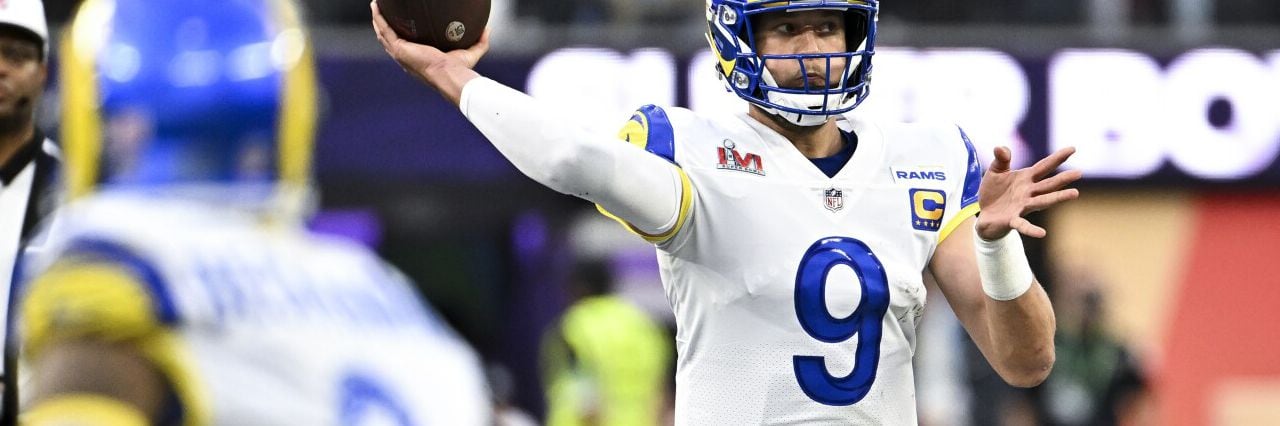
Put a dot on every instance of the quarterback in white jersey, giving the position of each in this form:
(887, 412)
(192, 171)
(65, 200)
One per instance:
(181, 287)
(795, 238)
(792, 287)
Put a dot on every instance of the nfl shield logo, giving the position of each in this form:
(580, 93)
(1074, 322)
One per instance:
(834, 199)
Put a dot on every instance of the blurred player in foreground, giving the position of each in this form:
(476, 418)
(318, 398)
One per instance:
(184, 289)
(795, 237)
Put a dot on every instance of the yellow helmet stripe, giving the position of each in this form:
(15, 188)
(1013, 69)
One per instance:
(298, 109)
(81, 124)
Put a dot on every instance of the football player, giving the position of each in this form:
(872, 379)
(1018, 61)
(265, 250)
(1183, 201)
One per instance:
(184, 289)
(794, 238)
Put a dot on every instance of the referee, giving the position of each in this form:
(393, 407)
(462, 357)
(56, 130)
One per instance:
(28, 161)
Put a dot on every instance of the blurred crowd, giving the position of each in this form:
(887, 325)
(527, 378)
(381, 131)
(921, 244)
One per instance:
(1096, 380)
(1139, 12)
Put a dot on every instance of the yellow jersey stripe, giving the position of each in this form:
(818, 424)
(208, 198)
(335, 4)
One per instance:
(84, 409)
(686, 203)
(105, 301)
(951, 225)
(167, 353)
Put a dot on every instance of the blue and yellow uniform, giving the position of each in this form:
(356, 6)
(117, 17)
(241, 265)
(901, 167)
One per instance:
(248, 325)
(188, 129)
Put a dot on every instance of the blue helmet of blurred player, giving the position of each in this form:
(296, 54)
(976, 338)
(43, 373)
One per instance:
(731, 32)
(213, 94)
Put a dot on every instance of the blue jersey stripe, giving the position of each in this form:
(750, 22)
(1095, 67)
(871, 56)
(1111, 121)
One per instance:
(109, 251)
(662, 139)
(972, 175)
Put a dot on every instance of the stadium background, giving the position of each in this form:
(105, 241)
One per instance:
(1178, 100)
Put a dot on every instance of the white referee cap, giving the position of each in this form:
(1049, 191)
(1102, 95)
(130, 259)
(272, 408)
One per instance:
(28, 15)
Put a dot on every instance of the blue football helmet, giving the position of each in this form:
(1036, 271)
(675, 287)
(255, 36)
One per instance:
(158, 95)
(732, 38)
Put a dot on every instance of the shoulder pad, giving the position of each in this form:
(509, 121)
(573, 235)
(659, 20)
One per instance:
(972, 174)
(650, 129)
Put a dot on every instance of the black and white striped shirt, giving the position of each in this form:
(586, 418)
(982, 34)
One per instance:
(29, 188)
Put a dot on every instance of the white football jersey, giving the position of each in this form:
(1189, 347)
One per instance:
(262, 325)
(797, 295)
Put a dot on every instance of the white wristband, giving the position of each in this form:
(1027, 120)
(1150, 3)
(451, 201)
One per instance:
(1003, 266)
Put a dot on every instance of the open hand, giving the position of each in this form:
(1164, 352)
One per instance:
(1006, 195)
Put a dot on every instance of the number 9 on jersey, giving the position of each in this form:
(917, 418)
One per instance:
(865, 321)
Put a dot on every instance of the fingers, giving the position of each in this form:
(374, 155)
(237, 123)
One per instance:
(1056, 182)
(1051, 163)
(1025, 227)
(1041, 202)
(482, 45)
(1003, 157)
(385, 34)
(471, 55)
(413, 58)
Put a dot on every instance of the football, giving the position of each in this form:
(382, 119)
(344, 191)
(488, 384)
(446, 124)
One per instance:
(444, 24)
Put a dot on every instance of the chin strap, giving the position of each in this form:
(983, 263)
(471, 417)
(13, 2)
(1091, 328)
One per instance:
(810, 101)
(803, 120)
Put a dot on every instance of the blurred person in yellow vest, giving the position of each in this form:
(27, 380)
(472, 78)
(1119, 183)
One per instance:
(605, 362)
